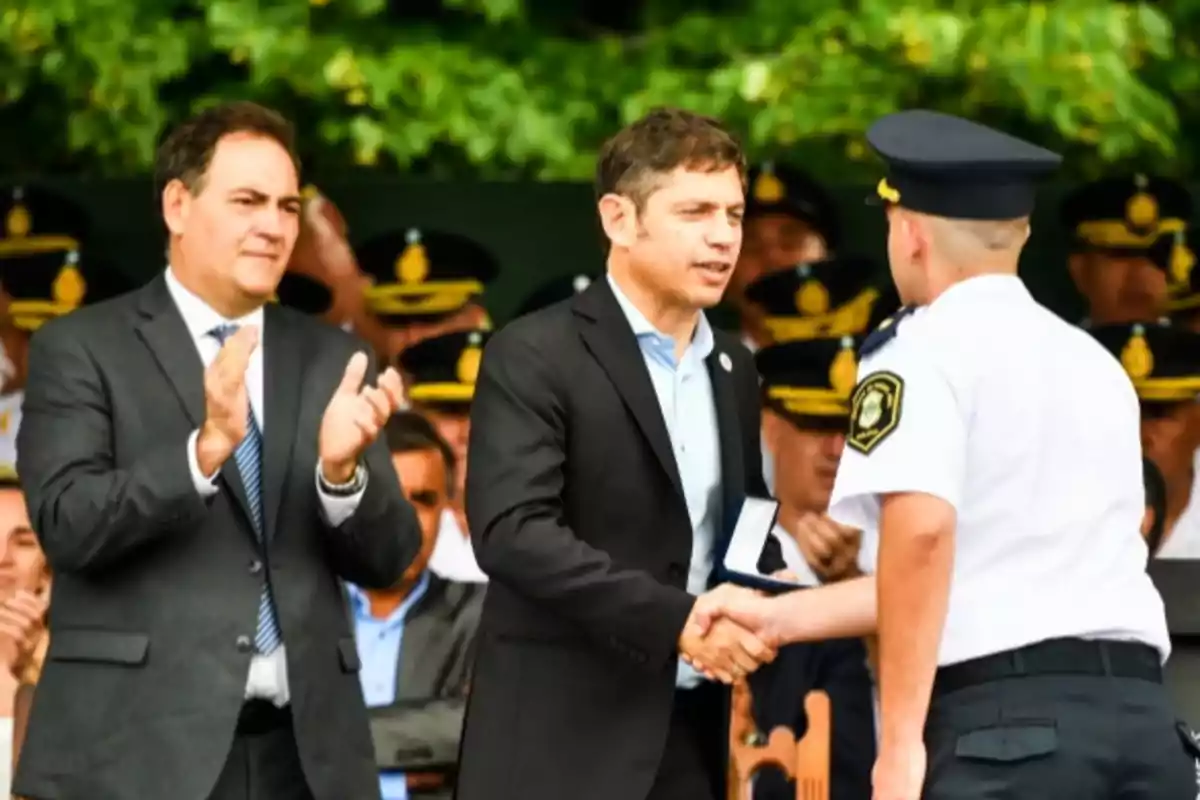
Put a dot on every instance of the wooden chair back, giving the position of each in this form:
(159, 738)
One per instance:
(805, 762)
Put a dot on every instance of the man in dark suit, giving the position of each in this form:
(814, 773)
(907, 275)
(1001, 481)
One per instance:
(614, 437)
(197, 518)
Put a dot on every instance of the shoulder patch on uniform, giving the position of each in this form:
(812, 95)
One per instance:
(875, 410)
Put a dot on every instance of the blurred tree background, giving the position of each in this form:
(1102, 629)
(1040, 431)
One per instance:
(504, 89)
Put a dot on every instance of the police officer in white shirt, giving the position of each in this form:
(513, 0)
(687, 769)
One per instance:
(994, 461)
(440, 374)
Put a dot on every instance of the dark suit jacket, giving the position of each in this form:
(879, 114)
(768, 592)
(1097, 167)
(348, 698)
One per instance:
(156, 590)
(577, 515)
(420, 731)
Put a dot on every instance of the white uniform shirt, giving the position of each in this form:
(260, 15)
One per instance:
(10, 421)
(793, 558)
(1183, 540)
(1030, 429)
(453, 557)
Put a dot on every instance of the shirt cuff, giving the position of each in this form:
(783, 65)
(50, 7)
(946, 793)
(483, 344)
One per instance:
(205, 487)
(339, 508)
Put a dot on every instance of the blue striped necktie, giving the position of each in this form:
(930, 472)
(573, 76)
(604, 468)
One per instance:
(248, 456)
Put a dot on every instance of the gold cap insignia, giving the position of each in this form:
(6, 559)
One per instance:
(1141, 211)
(843, 374)
(767, 186)
(69, 286)
(5, 420)
(885, 191)
(812, 298)
(1182, 260)
(469, 361)
(413, 264)
(18, 223)
(1136, 357)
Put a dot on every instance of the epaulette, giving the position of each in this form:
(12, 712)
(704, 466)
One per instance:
(877, 338)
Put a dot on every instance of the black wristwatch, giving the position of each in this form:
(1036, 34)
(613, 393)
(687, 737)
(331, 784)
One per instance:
(347, 489)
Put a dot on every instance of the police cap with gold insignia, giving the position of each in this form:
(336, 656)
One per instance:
(41, 254)
(421, 275)
(946, 166)
(774, 188)
(810, 381)
(831, 297)
(442, 370)
(1175, 254)
(1162, 360)
(1125, 213)
(303, 293)
(554, 291)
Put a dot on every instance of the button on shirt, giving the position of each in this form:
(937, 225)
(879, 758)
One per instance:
(379, 642)
(268, 673)
(684, 390)
(1030, 430)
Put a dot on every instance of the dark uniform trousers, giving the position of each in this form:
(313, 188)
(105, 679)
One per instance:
(1058, 720)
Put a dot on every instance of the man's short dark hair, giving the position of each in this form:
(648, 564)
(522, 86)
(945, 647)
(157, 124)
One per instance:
(410, 432)
(188, 150)
(632, 161)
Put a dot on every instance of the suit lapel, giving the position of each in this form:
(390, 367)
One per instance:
(161, 328)
(282, 373)
(733, 477)
(607, 335)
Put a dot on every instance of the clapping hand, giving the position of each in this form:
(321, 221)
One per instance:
(829, 547)
(719, 646)
(226, 401)
(354, 417)
(22, 620)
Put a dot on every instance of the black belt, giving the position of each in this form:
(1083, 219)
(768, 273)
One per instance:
(1055, 657)
(260, 716)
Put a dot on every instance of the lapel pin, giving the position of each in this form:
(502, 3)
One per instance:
(726, 363)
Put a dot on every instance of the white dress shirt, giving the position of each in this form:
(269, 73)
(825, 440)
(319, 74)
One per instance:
(268, 673)
(1030, 430)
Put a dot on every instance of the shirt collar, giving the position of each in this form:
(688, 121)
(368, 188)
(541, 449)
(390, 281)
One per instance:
(199, 317)
(982, 287)
(702, 339)
(362, 604)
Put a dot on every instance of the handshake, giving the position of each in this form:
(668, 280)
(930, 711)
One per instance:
(730, 633)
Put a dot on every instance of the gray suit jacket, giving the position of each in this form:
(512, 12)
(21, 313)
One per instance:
(420, 731)
(156, 590)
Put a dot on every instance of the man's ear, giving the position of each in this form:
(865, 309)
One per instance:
(771, 430)
(176, 206)
(619, 218)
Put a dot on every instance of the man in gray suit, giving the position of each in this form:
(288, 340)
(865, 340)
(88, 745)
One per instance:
(199, 488)
(416, 639)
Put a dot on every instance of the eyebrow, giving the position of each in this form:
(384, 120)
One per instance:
(258, 195)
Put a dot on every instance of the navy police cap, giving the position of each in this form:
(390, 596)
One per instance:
(950, 167)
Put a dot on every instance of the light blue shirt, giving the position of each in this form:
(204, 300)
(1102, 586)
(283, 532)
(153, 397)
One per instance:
(685, 395)
(379, 642)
